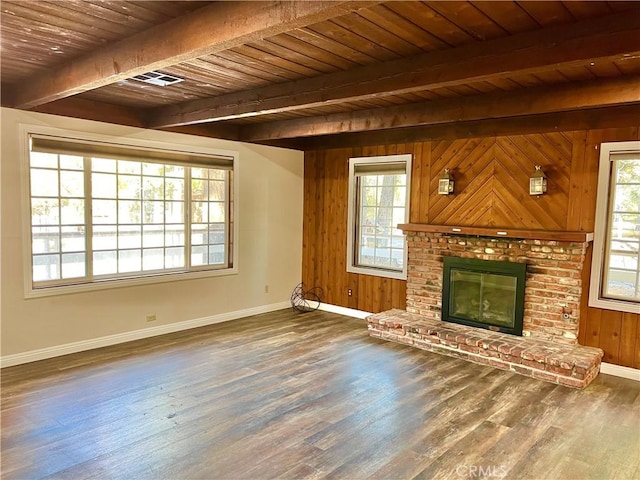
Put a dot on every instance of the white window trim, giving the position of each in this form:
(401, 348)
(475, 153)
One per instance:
(351, 216)
(29, 292)
(600, 234)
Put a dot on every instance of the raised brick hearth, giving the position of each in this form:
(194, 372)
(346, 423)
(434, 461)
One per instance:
(548, 348)
(571, 365)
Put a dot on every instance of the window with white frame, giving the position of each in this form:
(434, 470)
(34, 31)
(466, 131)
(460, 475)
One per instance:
(105, 212)
(378, 201)
(615, 272)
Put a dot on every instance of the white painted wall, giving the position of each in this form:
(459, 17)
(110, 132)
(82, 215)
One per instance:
(270, 252)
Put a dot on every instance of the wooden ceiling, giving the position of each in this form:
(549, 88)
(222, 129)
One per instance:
(298, 73)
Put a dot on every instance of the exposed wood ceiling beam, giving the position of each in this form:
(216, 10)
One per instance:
(210, 29)
(532, 101)
(612, 37)
(92, 110)
(225, 132)
(76, 107)
(589, 119)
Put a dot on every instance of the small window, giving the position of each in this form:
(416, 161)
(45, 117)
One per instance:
(378, 202)
(615, 272)
(103, 212)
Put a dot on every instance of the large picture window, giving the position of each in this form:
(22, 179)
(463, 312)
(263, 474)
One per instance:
(102, 211)
(615, 274)
(378, 202)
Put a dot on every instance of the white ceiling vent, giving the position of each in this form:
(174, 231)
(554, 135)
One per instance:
(157, 78)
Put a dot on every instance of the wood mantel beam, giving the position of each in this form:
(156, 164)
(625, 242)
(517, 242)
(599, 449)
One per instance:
(525, 102)
(511, 233)
(219, 26)
(611, 38)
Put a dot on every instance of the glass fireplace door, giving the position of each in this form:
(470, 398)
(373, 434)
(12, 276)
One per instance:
(483, 297)
(483, 293)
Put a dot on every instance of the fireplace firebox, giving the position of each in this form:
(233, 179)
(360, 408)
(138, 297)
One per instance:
(484, 293)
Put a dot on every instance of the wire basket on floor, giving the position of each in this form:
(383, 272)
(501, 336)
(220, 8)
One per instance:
(305, 301)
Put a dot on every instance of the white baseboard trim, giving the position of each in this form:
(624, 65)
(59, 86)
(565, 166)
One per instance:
(350, 312)
(59, 350)
(620, 371)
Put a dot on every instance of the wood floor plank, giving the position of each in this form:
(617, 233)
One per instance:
(288, 396)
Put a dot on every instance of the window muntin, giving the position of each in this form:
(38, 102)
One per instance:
(95, 218)
(137, 216)
(615, 273)
(209, 217)
(58, 236)
(381, 207)
(378, 202)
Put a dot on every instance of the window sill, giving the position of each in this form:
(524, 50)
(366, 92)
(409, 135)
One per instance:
(377, 272)
(31, 292)
(616, 305)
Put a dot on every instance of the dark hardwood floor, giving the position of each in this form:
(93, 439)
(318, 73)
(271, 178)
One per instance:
(288, 396)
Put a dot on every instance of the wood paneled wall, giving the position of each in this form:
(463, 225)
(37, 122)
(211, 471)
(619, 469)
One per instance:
(491, 176)
(617, 333)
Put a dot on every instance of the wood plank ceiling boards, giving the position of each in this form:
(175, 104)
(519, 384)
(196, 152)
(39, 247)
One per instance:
(289, 72)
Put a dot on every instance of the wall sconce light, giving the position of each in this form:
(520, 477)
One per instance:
(537, 182)
(446, 183)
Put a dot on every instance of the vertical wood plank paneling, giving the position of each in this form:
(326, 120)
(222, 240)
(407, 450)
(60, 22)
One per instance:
(577, 181)
(628, 335)
(592, 330)
(583, 326)
(311, 217)
(592, 158)
(352, 300)
(636, 355)
(340, 222)
(320, 221)
(327, 256)
(365, 293)
(336, 241)
(339, 218)
(619, 134)
(610, 330)
(491, 190)
(425, 200)
(417, 175)
(384, 297)
(399, 294)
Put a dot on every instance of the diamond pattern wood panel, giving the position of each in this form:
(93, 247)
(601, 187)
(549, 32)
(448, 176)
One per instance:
(492, 181)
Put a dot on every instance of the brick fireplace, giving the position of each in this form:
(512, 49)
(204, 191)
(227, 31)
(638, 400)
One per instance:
(552, 288)
(548, 348)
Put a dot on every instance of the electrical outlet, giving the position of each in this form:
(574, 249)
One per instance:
(151, 317)
(349, 292)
